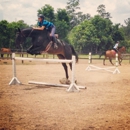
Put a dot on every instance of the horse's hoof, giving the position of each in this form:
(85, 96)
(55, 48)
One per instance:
(76, 81)
(65, 81)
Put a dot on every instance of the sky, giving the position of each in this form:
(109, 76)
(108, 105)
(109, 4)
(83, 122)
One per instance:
(14, 10)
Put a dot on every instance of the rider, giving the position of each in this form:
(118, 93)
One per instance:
(115, 48)
(42, 24)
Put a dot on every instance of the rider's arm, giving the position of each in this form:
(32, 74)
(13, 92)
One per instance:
(39, 28)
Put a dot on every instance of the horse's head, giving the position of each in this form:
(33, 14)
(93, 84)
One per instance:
(122, 49)
(20, 38)
(39, 37)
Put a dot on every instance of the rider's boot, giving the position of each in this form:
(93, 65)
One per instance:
(55, 43)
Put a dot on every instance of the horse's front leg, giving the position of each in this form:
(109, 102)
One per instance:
(111, 61)
(29, 50)
(120, 60)
(104, 60)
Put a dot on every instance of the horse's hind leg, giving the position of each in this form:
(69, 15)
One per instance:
(64, 65)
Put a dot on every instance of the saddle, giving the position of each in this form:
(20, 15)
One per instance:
(58, 40)
(113, 51)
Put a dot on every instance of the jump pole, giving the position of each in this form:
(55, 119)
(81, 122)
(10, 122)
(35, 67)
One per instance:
(71, 87)
(93, 67)
(14, 80)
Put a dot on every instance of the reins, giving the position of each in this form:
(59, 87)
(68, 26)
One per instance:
(28, 34)
(48, 47)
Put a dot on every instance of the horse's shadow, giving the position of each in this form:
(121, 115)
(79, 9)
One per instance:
(37, 87)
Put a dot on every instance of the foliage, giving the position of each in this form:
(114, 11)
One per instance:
(102, 12)
(76, 16)
(97, 33)
(62, 23)
(48, 12)
(8, 32)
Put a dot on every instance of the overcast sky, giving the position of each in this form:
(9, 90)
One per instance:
(14, 10)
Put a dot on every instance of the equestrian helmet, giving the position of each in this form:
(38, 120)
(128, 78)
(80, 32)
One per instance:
(41, 16)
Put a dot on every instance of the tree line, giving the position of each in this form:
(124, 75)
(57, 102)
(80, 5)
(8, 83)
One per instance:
(84, 32)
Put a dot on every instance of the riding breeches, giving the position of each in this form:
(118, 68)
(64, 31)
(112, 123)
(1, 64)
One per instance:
(53, 31)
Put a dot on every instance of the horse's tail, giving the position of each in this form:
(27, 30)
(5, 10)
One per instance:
(103, 53)
(74, 53)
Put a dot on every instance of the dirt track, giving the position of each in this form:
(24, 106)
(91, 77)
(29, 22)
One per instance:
(104, 105)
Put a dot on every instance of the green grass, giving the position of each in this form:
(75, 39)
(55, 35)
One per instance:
(83, 56)
(49, 56)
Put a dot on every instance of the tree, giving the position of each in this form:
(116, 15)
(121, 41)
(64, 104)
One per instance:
(62, 23)
(72, 9)
(82, 17)
(48, 12)
(83, 35)
(62, 15)
(8, 32)
(76, 16)
(101, 9)
(4, 34)
(117, 34)
(103, 32)
(96, 34)
(127, 28)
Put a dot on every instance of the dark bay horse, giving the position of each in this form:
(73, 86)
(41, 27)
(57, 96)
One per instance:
(112, 54)
(41, 42)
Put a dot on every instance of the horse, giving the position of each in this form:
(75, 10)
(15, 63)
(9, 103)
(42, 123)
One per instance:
(41, 42)
(5, 50)
(112, 54)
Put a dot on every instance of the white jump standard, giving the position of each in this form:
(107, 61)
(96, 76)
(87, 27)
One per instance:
(71, 87)
(109, 69)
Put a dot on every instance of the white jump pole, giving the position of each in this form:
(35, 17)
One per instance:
(90, 57)
(14, 79)
(117, 64)
(89, 61)
(92, 67)
(71, 87)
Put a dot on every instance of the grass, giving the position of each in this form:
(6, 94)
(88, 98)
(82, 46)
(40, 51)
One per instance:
(49, 56)
(85, 56)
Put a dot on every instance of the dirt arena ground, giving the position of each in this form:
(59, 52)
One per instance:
(104, 105)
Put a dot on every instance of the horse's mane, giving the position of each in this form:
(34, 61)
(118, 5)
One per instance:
(29, 28)
(120, 47)
(26, 30)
